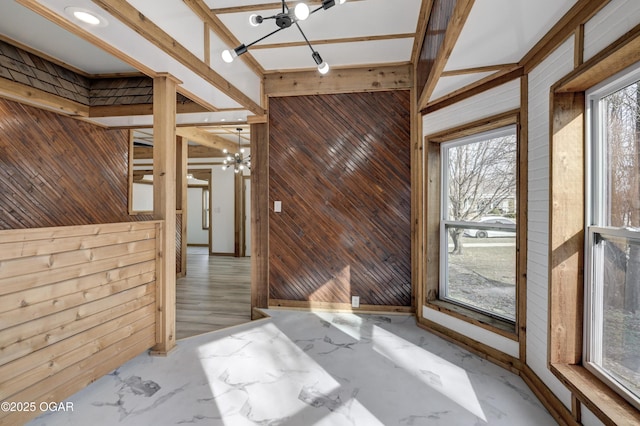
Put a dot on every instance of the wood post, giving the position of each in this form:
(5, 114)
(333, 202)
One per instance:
(259, 216)
(182, 157)
(164, 208)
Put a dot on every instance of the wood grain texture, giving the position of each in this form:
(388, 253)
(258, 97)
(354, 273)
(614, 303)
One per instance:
(341, 166)
(72, 299)
(57, 171)
(215, 294)
(441, 12)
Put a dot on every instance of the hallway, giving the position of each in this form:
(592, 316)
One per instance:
(215, 293)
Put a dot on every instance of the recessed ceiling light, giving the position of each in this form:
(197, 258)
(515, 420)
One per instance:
(223, 119)
(85, 16)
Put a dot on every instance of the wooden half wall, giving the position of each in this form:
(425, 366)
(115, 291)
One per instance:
(340, 165)
(75, 303)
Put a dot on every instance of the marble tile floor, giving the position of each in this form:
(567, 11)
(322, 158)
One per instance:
(302, 368)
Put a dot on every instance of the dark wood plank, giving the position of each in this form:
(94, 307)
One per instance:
(341, 166)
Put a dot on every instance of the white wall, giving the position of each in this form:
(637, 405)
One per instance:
(495, 101)
(554, 67)
(195, 233)
(222, 222)
(618, 17)
(142, 197)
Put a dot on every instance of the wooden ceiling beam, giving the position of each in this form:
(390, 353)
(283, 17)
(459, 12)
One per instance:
(421, 29)
(140, 109)
(454, 28)
(215, 24)
(131, 17)
(580, 13)
(39, 98)
(205, 138)
(494, 80)
(334, 41)
(263, 6)
(346, 80)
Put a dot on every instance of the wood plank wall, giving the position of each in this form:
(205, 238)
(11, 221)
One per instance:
(340, 164)
(58, 171)
(75, 303)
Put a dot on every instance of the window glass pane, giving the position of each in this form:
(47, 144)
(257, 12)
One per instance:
(621, 180)
(479, 199)
(482, 274)
(482, 178)
(619, 276)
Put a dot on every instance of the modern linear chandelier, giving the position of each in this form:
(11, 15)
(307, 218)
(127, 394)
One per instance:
(285, 19)
(237, 160)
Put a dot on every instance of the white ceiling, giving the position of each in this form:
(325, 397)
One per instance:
(359, 32)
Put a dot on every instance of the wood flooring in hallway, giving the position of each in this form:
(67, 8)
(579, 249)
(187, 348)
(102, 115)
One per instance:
(215, 294)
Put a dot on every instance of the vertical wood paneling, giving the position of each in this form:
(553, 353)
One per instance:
(340, 164)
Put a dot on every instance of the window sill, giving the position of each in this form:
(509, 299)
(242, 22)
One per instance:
(610, 407)
(504, 328)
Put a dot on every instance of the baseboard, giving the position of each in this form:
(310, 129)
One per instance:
(483, 351)
(556, 408)
(338, 307)
(551, 402)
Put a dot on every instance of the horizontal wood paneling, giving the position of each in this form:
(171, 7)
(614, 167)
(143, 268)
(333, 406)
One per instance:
(341, 166)
(75, 303)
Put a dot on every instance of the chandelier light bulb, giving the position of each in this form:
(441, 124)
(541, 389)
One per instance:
(323, 68)
(301, 11)
(255, 20)
(228, 55)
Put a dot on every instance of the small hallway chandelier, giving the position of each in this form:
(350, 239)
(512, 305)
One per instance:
(285, 19)
(238, 161)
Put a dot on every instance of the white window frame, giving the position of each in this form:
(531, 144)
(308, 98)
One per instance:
(445, 222)
(595, 216)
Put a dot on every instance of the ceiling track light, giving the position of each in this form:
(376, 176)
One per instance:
(285, 19)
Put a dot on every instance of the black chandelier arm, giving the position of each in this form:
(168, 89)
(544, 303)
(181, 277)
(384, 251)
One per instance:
(262, 38)
(305, 37)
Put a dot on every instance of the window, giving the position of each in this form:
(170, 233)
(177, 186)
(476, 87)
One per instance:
(478, 222)
(205, 208)
(612, 326)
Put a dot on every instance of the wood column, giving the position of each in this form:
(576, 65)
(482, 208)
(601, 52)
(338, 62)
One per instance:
(238, 201)
(164, 208)
(182, 157)
(417, 208)
(259, 216)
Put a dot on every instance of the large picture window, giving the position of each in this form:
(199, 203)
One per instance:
(612, 331)
(478, 223)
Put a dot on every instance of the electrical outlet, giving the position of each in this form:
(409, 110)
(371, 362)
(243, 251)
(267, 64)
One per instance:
(355, 301)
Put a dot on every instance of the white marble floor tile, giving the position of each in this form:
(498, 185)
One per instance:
(299, 369)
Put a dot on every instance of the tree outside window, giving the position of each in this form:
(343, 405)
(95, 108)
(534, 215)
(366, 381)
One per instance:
(478, 227)
(613, 240)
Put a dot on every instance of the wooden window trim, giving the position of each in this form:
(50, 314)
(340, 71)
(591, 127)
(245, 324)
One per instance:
(566, 231)
(432, 225)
